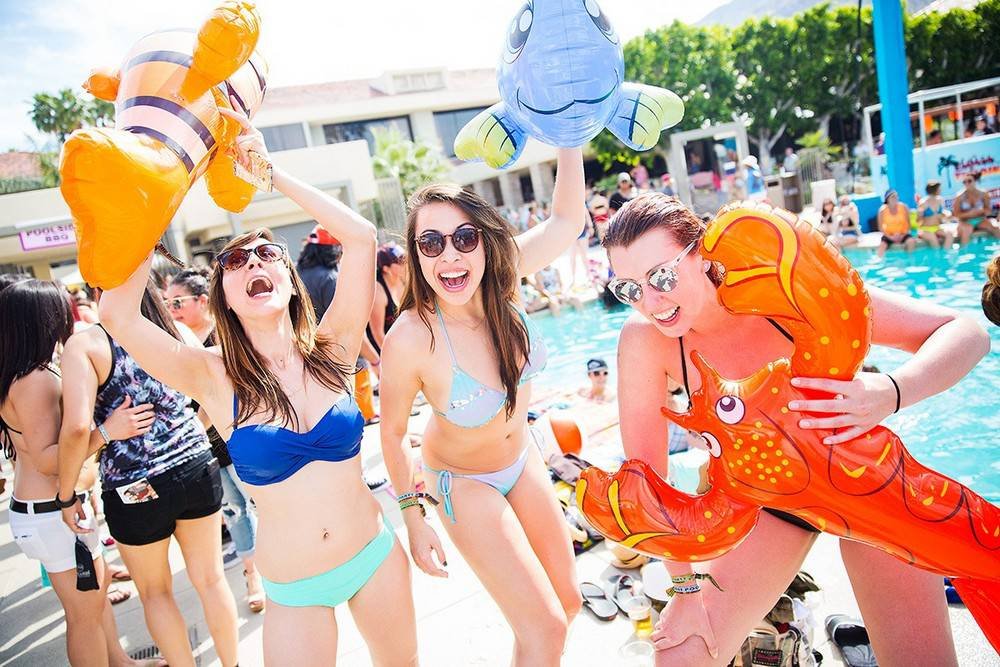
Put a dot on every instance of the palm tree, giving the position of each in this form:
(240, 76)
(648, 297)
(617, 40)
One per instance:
(413, 163)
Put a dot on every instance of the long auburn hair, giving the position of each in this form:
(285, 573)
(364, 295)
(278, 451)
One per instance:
(257, 389)
(655, 210)
(499, 284)
(35, 316)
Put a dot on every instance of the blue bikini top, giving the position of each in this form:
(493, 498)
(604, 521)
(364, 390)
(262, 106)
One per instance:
(471, 403)
(267, 454)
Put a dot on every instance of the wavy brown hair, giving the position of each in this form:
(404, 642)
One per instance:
(654, 210)
(257, 389)
(499, 285)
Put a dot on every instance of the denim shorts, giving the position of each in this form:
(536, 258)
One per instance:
(189, 491)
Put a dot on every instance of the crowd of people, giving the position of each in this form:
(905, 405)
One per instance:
(236, 393)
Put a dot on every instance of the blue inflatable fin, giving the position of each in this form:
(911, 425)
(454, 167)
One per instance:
(492, 136)
(644, 112)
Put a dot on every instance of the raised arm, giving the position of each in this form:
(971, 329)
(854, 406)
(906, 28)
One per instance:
(345, 319)
(188, 369)
(543, 243)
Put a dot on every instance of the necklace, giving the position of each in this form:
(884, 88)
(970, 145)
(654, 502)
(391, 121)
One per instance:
(465, 324)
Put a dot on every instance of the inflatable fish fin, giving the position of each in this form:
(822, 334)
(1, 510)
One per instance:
(224, 187)
(491, 136)
(103, 84)
(643, 112)
(982, 598)
(638, 509)
(116, 183)
(224, 43)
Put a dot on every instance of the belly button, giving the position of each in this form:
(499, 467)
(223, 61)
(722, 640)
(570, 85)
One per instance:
(326, 533)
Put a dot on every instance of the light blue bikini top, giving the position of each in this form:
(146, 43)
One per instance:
(471, 403)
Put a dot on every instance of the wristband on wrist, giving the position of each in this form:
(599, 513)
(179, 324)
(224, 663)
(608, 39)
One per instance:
(686, 584)
(64, 504)
(418, 496)
(898, 394)
(104, 434)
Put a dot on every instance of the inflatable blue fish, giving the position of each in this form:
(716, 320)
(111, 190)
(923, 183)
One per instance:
(561, 80)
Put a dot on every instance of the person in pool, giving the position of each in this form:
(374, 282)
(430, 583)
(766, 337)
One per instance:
(991, 291)
(597, 391)
(972, 208)
(653, 247)
(894, 223)
(930, 215)
(278, 389)
(460, 339)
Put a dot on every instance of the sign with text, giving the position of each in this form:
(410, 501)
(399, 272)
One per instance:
(48, 237)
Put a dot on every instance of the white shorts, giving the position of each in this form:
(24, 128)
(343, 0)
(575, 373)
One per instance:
(45, 538)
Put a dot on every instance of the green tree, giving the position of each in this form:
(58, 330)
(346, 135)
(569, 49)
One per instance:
(61, 113)
(413, 163)
(692, 61)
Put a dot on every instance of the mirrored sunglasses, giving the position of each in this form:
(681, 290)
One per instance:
(662, 278)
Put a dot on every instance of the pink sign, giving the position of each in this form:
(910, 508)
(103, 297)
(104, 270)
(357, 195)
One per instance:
(48, 237)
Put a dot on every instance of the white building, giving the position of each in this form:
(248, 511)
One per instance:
(322, 134)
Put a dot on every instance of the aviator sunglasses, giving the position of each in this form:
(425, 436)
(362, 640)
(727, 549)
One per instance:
(432, 242)
(662, 278)
(234, 259)
(177, 302)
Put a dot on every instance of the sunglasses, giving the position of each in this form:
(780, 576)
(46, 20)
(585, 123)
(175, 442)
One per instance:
(968, 181)
(234, 259)
(177, 302)
(662, 278)
(465, 239)
(601, 373)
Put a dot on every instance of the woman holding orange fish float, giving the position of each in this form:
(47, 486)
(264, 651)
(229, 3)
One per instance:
(654, 247)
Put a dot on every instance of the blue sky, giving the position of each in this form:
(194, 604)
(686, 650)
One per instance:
(46, 45)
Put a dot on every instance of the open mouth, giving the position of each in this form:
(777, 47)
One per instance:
(259, 287)
(454, 281)
(552, 112)
(668, 317)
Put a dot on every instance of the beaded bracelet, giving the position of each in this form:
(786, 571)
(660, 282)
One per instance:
(418, 496)
(686, 584)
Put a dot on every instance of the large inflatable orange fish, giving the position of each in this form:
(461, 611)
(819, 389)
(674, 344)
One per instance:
(869, 489)
(124, 185)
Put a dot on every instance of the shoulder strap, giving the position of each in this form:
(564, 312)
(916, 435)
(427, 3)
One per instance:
(684, 371)
(444, 330)
(114, 360)
(784, 333)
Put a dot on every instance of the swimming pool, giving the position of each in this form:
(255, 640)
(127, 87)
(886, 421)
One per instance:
(955, 432)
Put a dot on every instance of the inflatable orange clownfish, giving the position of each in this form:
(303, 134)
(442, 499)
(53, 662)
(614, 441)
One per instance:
(124, 185)
(868, 489)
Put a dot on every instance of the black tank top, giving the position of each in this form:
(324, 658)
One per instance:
(391, 312)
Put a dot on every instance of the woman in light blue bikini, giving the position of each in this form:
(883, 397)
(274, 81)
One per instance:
(462, 339)
(278, 389)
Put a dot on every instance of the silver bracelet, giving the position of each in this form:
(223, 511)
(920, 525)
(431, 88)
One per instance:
(104, 434)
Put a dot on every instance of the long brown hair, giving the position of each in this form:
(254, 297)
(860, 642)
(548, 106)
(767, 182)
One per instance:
(991, 291)
(654, 210)
(257, 389)
(499, 285)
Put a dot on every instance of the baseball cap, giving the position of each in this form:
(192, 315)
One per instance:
(596, 365)
(320, 236)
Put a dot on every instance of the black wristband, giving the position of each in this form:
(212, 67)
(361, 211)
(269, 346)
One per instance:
(63, 505)
(898, 395)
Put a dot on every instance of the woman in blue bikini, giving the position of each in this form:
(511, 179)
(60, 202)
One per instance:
(278, 389)
(462, 339)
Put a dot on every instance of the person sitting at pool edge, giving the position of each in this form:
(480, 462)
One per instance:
(598, 392)
(894, 223)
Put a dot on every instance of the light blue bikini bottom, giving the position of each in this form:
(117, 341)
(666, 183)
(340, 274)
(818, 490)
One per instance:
(501, 480)
(338, 585)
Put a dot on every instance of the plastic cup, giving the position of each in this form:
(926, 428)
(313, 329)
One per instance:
(637, 654)
(639, 611)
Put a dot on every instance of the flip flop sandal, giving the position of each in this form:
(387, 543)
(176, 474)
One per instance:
(119, 574)
(851, 638)
(624, 589)
(597, 601)
(117, 595)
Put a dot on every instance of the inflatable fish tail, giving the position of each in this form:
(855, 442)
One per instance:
(93, 158)
(224, 43)
(636, 508)
(982, 598)
(825, 308)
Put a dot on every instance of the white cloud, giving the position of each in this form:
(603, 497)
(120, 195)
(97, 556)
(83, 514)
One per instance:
(55, 44)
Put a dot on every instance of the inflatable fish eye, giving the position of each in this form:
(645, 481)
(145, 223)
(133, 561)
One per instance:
(714, 448)
(730, 410)
(520, 28)
(600, 20)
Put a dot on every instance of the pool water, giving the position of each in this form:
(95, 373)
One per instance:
(956, 432)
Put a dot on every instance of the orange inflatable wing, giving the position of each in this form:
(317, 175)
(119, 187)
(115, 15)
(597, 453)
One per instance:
(225, 42)
(103, 84)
